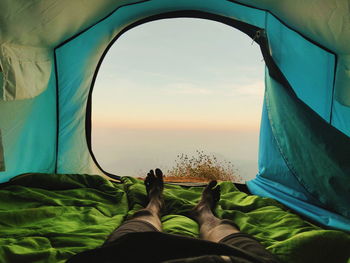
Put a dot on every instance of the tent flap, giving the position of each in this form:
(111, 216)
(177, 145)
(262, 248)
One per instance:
(315, 152)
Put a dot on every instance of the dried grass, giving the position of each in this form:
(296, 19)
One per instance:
(204, 166)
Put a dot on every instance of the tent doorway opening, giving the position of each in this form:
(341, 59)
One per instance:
(177, 93)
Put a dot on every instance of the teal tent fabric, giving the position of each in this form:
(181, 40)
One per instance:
(304, 64)
(296, 138)
(302, 136)
(50, 217)
(338, 120)
(29, 137)
(50, 56)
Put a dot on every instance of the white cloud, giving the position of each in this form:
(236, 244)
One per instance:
(251, 89)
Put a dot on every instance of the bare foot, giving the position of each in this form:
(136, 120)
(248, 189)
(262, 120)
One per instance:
(208, 202)
(154, 186)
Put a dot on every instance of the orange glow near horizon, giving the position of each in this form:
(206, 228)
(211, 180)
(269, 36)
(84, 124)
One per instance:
(177, 125)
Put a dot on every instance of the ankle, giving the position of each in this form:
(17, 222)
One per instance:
(208, 226)
(155, 205)
(204, 216)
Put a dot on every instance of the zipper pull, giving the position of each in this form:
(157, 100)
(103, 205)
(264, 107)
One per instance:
(258, 34)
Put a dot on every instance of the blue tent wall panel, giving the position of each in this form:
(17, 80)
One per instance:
(308, 68)
(29, 140)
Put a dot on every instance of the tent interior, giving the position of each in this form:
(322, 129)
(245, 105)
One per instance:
(53, 191)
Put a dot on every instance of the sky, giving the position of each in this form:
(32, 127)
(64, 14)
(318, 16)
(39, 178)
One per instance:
(174, 86)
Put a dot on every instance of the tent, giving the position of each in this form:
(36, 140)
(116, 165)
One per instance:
(50, 53)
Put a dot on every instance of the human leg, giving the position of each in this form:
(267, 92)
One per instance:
(225, 231)
(147, 219)
(211, 227)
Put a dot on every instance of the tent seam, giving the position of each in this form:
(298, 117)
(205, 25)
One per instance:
(57, 111)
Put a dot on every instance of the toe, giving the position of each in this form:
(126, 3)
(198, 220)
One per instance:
(217, 193)
(149, 180)
(159, 176)
(209, 188)
(159, 173)
(212, 184)
(150, 177)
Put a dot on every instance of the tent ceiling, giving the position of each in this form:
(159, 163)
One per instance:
(326, 22)
(47, 23)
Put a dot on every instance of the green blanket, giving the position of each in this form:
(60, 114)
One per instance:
(49, 218)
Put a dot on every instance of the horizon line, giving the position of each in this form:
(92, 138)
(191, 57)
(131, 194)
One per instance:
(175, 126)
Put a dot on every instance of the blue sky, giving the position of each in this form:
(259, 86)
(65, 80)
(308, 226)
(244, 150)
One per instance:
(177, 75)
(198, 72)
